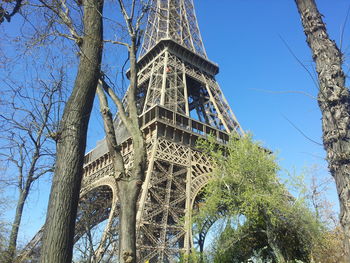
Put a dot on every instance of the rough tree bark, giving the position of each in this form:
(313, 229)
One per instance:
(62, 209)
(334, 102)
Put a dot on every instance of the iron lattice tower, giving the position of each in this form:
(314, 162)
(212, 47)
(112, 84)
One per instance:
(179, 102)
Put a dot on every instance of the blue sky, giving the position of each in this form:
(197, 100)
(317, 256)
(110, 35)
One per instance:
(259, 76)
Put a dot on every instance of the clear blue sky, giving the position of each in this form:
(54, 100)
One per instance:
(259, 77)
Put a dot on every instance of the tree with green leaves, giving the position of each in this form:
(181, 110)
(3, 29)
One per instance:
(264, 219)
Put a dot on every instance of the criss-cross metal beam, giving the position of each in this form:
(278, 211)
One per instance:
(176, 20)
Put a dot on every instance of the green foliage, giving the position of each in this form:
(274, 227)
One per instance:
(239, 244)
(245, 178)
(193, 257)
(276, 226)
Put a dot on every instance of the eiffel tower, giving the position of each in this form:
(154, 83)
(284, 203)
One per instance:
(179, 102)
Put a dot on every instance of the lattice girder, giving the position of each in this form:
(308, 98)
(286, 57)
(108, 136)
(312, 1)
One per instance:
(176, 20)
(170, 81)
(161, 216)
(166, 200)
(165, 203)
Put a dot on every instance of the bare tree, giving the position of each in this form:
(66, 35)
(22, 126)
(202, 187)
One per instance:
(327, 244)
(27, 123)
(334, 102)
(129, 180)
(317, 196)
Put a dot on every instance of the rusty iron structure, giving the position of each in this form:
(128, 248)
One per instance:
(179, 102)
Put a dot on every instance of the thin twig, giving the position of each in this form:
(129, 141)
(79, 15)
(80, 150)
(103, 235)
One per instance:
(302, 133)
(287, 91)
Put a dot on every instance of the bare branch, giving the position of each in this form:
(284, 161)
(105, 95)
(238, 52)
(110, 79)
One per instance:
(62, 11)
(113, 147)
(116, 42)
(287, 91)
(299, 130)
(127, 19)
(343, 28)
(7, 15)
(121, 111)
(301, 64)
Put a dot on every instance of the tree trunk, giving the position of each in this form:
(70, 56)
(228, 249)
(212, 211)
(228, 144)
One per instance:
(271, 239)
(128, 182)
(62, 210)
(128, 192)
(334, 102)
(129, 188)
(272, 243)
(15, 227)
